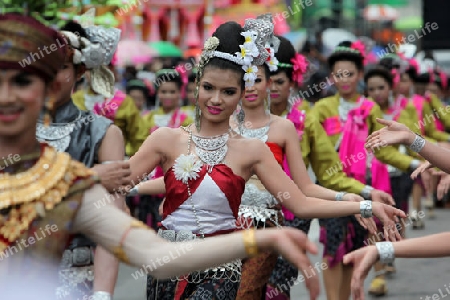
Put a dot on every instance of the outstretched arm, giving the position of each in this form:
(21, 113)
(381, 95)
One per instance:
(432, 246)
(151, 187)
(136, 244)
(298, 169)
(285, 190)
(397, 133)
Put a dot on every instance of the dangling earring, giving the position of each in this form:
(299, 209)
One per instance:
(268, 103)
(156, 103)
(391, 98)
(198, 112)
(240, 117)
(48, 108)
(411, 91)
(291, 99)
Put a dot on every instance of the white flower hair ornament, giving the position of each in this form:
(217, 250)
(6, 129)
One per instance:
(249, 51)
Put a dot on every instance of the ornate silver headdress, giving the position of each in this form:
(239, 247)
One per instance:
(272, 43)
(255, 51)
(96, 53)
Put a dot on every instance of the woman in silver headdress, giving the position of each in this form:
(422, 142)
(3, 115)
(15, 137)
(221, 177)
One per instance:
(206, 165)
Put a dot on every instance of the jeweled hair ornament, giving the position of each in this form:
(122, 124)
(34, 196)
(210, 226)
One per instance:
(257, 34)
(96, 53)
(249, 51)
(272, 43)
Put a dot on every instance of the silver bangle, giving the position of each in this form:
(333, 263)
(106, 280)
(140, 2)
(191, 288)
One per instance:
(366, 208)
(366, 193)
(101, 296)
(133, 192)
(386, 252)
(339, 196)
(418, 144)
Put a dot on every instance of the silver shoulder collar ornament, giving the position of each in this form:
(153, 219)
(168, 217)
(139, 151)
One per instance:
(56, 135)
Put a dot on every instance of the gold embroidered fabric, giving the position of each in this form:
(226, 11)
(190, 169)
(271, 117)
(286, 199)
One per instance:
(29, 194)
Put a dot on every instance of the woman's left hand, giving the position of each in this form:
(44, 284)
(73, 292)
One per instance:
(389, 216)
(362, 259)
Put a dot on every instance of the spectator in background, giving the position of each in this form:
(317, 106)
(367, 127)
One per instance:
(138, 90)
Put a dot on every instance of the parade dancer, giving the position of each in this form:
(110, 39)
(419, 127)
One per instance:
(44, 189)
(380, 85)
(408, 72)
(167, 113)
(221, 84)
(316, 150)
(88, 138)
(347, 118)
(109, 101)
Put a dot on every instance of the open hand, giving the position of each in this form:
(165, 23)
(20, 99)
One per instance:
(443, 186)
(312, 284)
(423, 166)
(291, 243)
(389, 216)
(381, 197)
(362, 259)
(394, 133)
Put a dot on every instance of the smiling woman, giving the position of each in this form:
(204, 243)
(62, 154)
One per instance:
(46, 187)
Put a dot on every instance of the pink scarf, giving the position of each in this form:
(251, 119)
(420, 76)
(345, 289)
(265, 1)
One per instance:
(417, 101)
(378, 168)
(178, 118)
(108, 109)
(352, 152)
(297, 117)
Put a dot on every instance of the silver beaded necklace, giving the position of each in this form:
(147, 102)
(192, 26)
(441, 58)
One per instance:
(211, 150)
(256, 133)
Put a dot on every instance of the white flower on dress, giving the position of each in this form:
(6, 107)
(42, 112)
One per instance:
(186, 168)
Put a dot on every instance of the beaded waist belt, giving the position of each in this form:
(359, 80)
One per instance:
(78, 257)
(255, 216)
(229, 271)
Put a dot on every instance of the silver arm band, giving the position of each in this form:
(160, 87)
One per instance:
(366, 193)
(418, 144)
(386, 252)
(101, 296)
(339, 196)
(366, 208)
(133, 192)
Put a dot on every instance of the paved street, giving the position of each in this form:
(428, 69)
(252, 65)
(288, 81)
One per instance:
(415, 278)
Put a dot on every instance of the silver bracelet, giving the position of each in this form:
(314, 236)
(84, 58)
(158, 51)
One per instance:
(339, 196)
(366, 193)
(133, 192)
(101, 296)
(366, 208)
(386, 252)
(418, 144)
